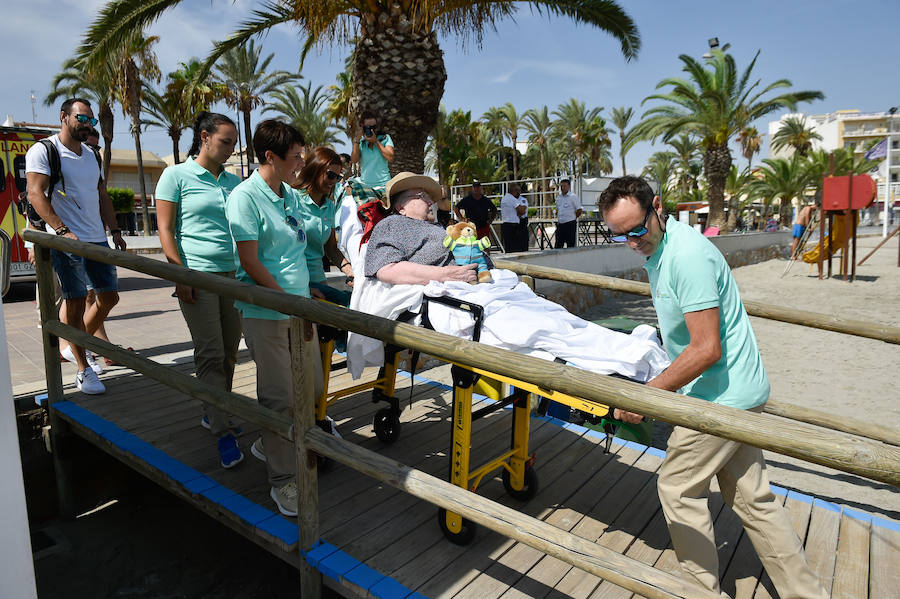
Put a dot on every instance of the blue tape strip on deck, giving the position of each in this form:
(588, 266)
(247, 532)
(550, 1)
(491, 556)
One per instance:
(802, 497)
(857, 515)
(363, 576)
(198, 485)
(388, 588)
(831, 507)
(319, 551)
(282, 529)
(40, 399)
(780, 491)
(888, 524)
(337, 564)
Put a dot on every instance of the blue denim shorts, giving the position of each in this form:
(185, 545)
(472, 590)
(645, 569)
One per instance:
(78, 274)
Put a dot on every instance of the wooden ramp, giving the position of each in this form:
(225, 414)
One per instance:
(380, 542)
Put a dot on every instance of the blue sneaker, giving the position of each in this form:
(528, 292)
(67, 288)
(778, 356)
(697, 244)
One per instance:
(229, 451)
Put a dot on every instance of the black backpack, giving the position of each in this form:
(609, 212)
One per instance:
(56, 176)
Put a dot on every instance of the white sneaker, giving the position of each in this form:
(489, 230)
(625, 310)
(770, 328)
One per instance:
(286, 498)
(87, 382)
(258, 451)
(69, 356)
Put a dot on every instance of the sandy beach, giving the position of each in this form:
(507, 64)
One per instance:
(818, 369)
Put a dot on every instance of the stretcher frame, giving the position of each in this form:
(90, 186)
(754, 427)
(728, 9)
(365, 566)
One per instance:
(516, 463)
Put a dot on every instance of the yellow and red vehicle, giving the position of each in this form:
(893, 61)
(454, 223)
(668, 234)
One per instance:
(14, 142)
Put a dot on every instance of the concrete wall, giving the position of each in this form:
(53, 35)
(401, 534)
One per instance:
(618, 261)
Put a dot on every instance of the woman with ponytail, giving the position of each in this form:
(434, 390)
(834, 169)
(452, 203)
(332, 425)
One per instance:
(194, 232)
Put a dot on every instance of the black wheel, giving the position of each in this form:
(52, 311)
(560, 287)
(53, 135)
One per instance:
(530, 488)
(387, 425)
(466, 533)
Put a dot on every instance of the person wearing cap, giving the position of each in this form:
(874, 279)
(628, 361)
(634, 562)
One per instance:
(513, 211)
(406, 247)
(478, 209)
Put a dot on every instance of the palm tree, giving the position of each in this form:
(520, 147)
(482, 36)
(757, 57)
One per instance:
(98, 84)
(242, 71)
(738, 198)
(842, 161)
(714, 103)
(198, 87)
(621, 117)
(511, 123)
(598, 146)
(398, 70)
(307, 113)
(167, 111)
(136, 63)
(537, 123)
(751, 141)
(576, 123)
(661, 168)
(339, 105)
(781, 179)
(795, 133)
(688, 164)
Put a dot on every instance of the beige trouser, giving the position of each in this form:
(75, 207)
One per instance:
(270, 347)
(215, 326)
(692, 459)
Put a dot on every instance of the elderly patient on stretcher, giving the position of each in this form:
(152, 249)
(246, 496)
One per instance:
(406, 259)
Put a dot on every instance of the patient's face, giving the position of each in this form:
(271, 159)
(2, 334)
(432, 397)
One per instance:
(418, 205)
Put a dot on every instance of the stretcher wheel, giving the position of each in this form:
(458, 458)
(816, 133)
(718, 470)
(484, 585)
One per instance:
(529, 489)
(387, 425)
(465, 535)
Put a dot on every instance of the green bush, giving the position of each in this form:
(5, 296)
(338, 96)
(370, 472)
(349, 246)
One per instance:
(122, 199)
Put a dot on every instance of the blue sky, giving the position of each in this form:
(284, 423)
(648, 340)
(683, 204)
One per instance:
(841, 48)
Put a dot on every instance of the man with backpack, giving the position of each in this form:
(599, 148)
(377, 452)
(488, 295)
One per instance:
(65, 188)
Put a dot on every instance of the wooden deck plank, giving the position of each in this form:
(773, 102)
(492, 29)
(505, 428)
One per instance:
(822, 541)
(851, 568)
(884, 574)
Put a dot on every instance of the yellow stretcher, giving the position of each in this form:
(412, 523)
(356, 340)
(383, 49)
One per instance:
(517, 463)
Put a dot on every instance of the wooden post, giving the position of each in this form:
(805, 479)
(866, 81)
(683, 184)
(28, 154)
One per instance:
(303, 371)
(822, 217)
(853, 216)
(60, 434)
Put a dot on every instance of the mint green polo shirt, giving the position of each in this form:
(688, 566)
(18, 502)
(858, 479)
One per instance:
(318, 222)
(688, 274)
(201, 229)
(256, 213)
(374, 170)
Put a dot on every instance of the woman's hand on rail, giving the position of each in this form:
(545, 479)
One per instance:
(629, 417)
(185, 293)
(453, 272)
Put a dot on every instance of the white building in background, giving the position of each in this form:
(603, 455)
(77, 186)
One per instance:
(856, 130)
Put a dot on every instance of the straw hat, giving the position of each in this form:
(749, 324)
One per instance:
(406, 180)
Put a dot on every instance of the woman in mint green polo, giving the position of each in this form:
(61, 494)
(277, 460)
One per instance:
(264, 215)
(318, 187)
(194, 232)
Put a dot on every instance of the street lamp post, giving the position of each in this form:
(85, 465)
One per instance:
(887, 173)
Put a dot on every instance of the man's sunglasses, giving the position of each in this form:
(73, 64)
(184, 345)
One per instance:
(85, 119)
(638, 231)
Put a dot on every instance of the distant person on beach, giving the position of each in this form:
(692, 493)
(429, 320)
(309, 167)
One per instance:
(513, 211)
(77, 207)
(266, 223)
(374, 151)
(478, 209)
(803, 218)
(568, 211)
(707, 334)
(194, 232)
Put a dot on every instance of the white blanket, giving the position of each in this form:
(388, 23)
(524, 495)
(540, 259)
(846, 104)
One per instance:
(515, 319)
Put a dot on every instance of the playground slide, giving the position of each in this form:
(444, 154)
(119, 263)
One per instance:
(837, 234)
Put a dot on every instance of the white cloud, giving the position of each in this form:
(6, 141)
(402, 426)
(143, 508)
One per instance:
(561, 69)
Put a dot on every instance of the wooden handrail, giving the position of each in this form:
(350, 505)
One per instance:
(816, 320)
(624, 571)
(837, 450)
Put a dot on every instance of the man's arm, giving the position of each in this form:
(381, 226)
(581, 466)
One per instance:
(108, 214)
(458, 210)
(704, 350)
(354, 153)
(37, 185)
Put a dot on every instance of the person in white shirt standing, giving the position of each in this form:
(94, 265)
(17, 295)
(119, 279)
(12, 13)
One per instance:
(77, 207)
(568, 209)
(513, 214)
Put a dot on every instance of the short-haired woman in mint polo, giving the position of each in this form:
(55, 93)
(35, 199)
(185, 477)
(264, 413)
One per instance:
(320, 192)
(194, 232)
(264, 216)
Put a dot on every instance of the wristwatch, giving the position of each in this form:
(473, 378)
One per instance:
(62, 230)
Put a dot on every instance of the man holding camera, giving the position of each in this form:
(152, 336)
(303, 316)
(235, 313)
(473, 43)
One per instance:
(373, 151)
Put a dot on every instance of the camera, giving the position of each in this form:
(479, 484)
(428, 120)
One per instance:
(368, 131)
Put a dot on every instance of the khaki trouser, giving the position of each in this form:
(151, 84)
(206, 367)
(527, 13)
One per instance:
(215, 326)
(692, 459)
(270, 347)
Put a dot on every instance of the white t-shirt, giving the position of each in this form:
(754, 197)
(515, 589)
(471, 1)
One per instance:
(79, 208)
(508, 204)
(566, 207)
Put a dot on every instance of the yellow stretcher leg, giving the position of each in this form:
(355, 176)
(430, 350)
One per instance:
(454, 526)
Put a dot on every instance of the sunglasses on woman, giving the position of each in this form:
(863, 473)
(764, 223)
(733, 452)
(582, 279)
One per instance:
(638, 231)
(292, 223)
(332, 176)
(85, 119)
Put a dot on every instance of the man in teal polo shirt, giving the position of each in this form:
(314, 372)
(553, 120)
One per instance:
(707, 334)
(373, 151)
